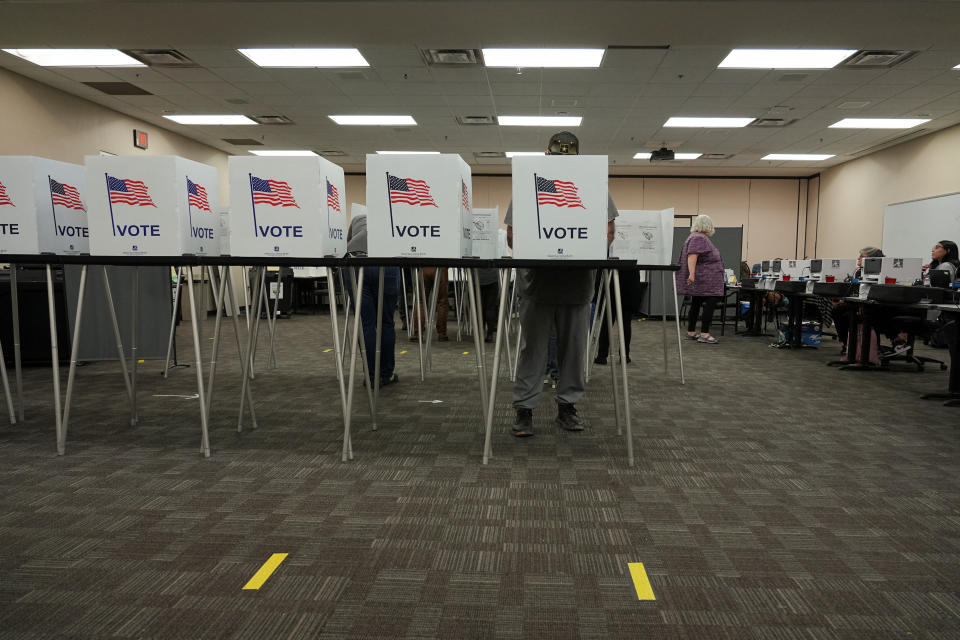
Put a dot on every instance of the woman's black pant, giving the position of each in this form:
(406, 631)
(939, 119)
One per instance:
(631, 293)
(707, 304)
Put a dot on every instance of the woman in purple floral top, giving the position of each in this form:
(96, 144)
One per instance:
(701, 278)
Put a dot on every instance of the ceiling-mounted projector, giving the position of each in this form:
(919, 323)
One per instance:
(661, 154)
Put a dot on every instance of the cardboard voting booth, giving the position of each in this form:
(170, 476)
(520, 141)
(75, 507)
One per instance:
(484, 234)
(287, 207)
(644, 236)
(419, 206)
(152, 206)
(560, 207)
(223, 231)
(43, 207)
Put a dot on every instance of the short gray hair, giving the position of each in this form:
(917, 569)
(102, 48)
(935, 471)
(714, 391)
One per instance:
(702, 224)
(871, 252)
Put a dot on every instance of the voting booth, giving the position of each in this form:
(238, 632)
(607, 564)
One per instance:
(560, 207)
(503, 248)
(485, 233)
(644, 236)
(152, 206)
(286, 207)
(419, 206)
(43, 207)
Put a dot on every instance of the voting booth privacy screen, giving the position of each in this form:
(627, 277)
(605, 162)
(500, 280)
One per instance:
(152, 206)
(419, 206)
(644, 236)
(484, 233)
(43, 206)
(286, 207)
(560, 207)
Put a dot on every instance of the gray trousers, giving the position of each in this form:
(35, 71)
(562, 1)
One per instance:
(537, 320)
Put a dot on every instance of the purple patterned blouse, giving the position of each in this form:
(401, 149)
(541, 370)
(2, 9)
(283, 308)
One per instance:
(708, 278)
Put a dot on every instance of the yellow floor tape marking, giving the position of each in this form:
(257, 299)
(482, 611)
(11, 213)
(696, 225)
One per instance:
(466, 353)
(403, 352)
(640, 581)
(265, 571)
(327, 350)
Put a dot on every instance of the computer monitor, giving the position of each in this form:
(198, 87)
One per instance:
(816, 266)
(871, 266)
(775, 266)
(765, 266)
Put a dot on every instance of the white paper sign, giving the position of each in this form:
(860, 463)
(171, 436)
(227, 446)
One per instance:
(484, 233)
(419, 206)
(560, 207)
(42, 207)
(153, 205)
(644, 236)
(287, 207)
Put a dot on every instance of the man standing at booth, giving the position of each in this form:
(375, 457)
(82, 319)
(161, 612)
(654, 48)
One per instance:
(553, 299)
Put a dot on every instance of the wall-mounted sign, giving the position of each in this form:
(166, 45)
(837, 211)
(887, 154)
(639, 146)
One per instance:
(140, 139)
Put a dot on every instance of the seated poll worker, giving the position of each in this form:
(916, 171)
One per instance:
(944, 257)
(841, 311)
(357, 247)
(553, 299)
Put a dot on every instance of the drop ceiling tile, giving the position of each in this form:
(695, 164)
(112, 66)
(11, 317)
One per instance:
(404, 74)
(706, 105)
(736, 76)
(245, 74)
(717, 90)
(458, 74)
(933, 60)
(364, 87)
(666, 90)
(82, 74)
(219, 57)
(699, 57)
(910, 77)
(677, 75)
(380, 56)
(264, 88)
(633, 58)
(517, 105)
(464, 88)
(136, 75)
(167, 88)
(217, 89)
(623, 102)
(557, 89)
(849, 77)
(613, 90)
(190, 75)
(413, 88)
(515, 89)
(484, 102)
(874, 91)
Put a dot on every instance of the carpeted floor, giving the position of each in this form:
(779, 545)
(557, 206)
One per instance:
(772, 498)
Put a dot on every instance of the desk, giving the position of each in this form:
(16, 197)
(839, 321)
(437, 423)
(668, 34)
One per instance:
(952, 396)
(795, 290)
(755, 295)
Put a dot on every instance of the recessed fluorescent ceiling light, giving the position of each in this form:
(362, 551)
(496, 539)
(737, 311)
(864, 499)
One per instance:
(539, 121)
(520, 154)
(798, 156)
(374, 120)
(713, 123)
(414, 153)
(76, 57)
(292, 152)
(305, 57)
(878, 123)
(227, 119)
(957, 67)
(645, 155)
(785, 58)
(568, 58)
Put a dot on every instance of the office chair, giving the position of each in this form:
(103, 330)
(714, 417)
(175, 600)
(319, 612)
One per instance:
(914, 327)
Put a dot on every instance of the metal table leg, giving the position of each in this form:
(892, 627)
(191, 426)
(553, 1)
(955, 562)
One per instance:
(75, 345)
(477, 339)
(623, 365)
(205, 434)
(118, 341)
(251, 346)
(676, 315)
(347, 440)
(6, 387)
(336, 348)
(663, 319)
(375, 374)
(173, 321)
(55, 357)
(215, 351)
(492, 395)
(231, 293)
(17, 364)
(133, 341)
(417, 279)
(613, 373)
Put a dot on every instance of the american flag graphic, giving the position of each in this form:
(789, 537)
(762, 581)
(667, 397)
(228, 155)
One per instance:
(409, 191)
(464, 196)
(559, 193)
(333, 197)
(132, 192)
(65, 195)
(4, 198)
(275, 192)
(197, 196)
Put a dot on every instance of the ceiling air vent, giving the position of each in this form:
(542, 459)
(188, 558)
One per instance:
(272, 119)
(452, 57)
(875, 59)
(118, 88)
(161, 57)
(331, 152)
(771, 122)
(715, 156)
(489, 154)
(243, 142)
(475, 119)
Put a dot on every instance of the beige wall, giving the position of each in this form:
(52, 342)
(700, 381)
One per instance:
(37, 120)
(854, 194)
(766, 207)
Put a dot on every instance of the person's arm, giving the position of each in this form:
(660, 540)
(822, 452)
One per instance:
(692, 267)
(611, 232)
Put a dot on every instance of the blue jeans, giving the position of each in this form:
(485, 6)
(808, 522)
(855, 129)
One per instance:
(368, 316)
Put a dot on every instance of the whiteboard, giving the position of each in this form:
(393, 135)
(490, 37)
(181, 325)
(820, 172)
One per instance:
(644, 236)
(910, 229)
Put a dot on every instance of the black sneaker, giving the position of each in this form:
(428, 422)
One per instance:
(567, 417)
(523, 424)
(388, 381)
(600, 360)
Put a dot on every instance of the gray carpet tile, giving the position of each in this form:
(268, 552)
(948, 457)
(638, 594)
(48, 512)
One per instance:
(772, 498)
